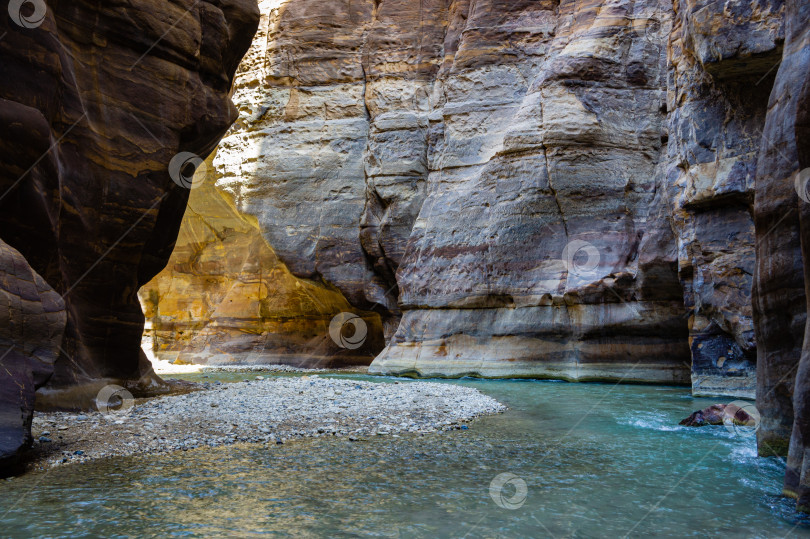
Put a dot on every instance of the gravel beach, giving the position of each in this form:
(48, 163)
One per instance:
(262, 410)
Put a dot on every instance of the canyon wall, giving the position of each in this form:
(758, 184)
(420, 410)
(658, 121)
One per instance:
(529, 257)
(722, 60)
(782, 279)
(96, 101)
(32, 320)
(543, 189)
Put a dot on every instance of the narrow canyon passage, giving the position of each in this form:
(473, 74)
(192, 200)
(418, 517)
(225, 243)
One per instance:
(244, 227)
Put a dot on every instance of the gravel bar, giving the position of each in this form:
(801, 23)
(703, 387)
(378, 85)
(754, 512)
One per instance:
(264, 410)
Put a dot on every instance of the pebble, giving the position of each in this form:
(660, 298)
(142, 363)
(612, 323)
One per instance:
(269, 410)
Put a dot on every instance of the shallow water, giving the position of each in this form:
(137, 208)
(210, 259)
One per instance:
(598, 460)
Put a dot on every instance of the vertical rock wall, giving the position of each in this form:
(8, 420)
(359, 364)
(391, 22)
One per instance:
(548, 189)
(722, 60)
(32, 319)
(779, 299)
(783, 261)
(525, 257)
(96, 99)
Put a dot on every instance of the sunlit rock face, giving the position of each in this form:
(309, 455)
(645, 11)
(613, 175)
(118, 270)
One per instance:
(330, 153)
(225, 297)
(95, 101)
(32, 319)
(722, 60)
(485, 170)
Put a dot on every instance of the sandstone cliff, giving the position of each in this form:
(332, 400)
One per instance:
(32, 319)
(782, 279)
(96, 100)
(722, 60)
(99, 100)
(518, 189)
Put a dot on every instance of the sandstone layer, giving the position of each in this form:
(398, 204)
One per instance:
(779, 297)
(95, 101)
(722, 61)
(487, 172)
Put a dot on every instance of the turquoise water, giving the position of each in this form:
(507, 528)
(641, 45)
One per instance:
(597, 460)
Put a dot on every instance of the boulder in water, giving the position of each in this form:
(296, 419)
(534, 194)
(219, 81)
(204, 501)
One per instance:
(719, 414)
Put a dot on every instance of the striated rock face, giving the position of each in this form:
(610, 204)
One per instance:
(530, 254)
(330, 152)
(779, 284)
(549, 189)
(225, 298)
(784, 368)
(486, 171)
(95, 101)
(32, 319)
(722, 59)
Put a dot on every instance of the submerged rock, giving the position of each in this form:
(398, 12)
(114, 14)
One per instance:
(719, 414)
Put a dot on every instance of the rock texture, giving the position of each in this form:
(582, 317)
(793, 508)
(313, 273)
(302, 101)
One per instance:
(779, 283)
(225, 298)
(721, 414)
(722, 60)
(545, 189)
(783, 264)
(529, 255)
(485, 171)
(32, 319)
(95, 101)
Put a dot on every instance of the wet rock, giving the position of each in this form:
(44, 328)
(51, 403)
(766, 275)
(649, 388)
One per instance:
(719, 414)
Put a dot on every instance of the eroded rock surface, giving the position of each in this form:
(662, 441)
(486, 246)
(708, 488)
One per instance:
(784, 364)
(779, 298)
(434, 161)
(95, 101)
(548, 189)
(525, 257)
(721, 414)
(32, 319)
(722, 61)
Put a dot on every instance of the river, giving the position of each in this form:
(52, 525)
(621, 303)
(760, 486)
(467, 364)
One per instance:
(583, 460)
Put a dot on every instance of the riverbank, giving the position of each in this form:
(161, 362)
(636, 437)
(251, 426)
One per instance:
(263, 410)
